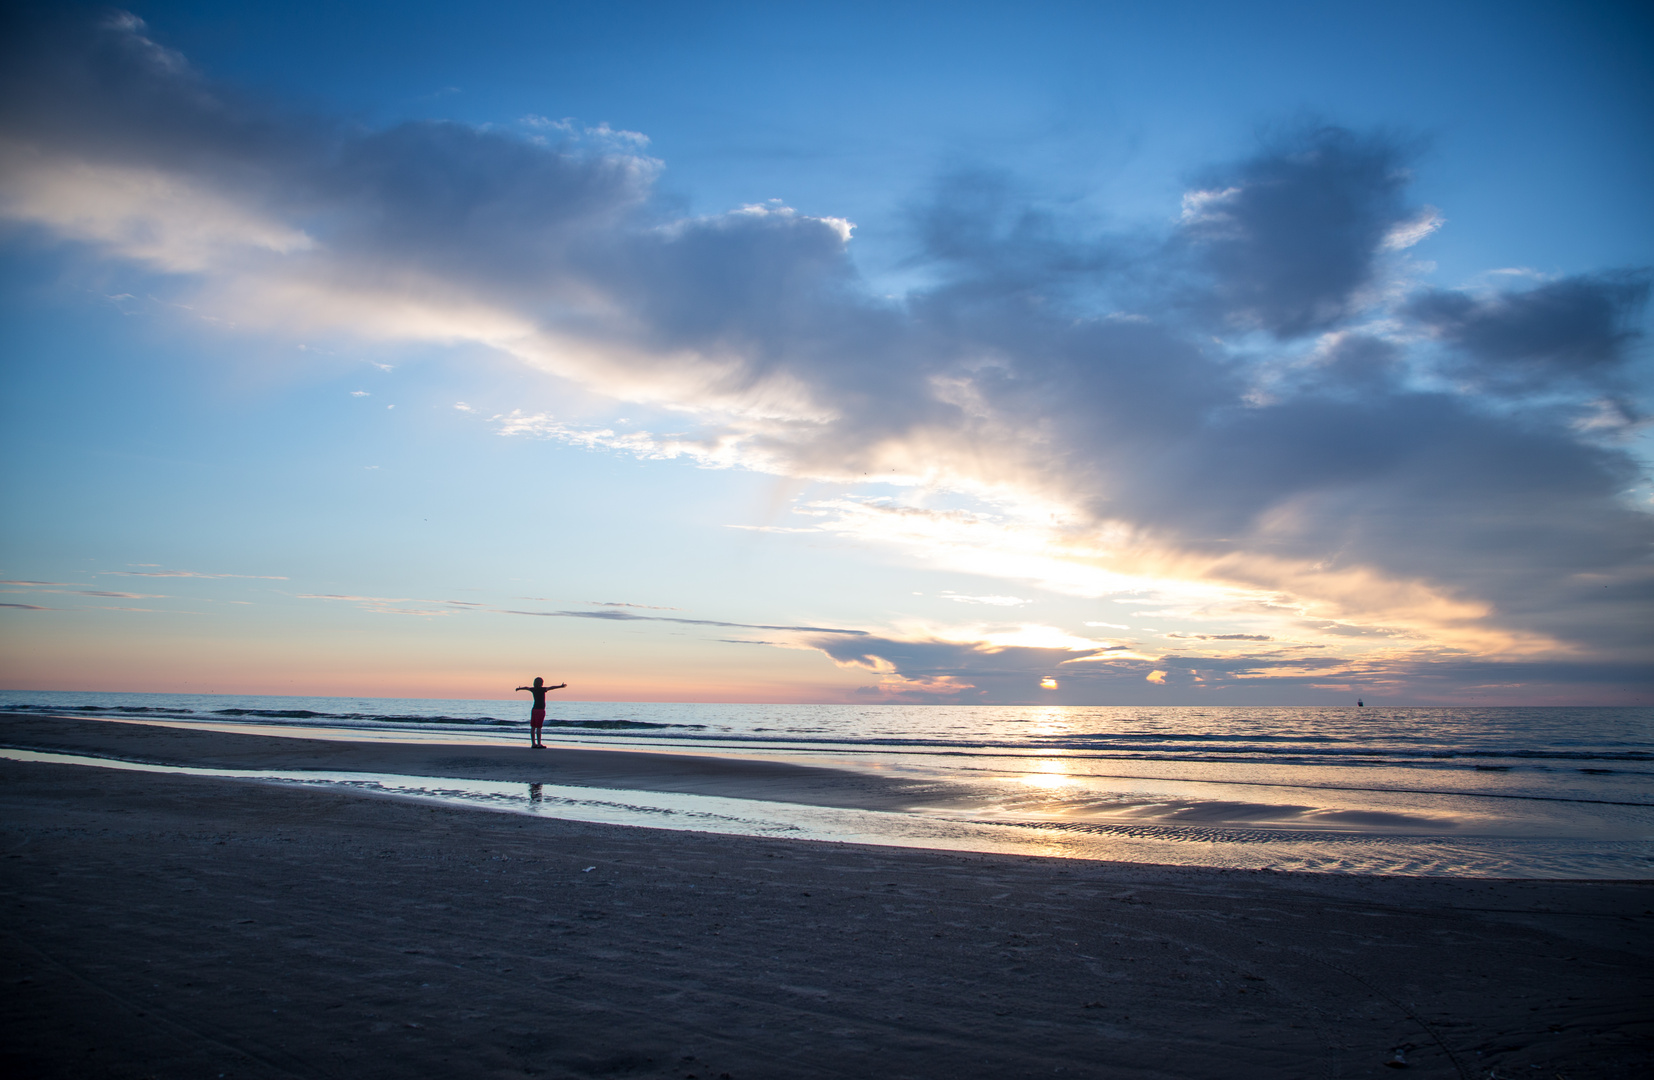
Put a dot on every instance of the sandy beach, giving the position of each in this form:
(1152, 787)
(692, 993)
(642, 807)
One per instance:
(174, 926)
(694, 774)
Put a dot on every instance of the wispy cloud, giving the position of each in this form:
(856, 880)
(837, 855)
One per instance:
(151, 611)
(190, 574)
(47, 587)
(1222, 637)
(395, 605)
(996, 601)
(626, 616)
(406, 605)
(602, 603)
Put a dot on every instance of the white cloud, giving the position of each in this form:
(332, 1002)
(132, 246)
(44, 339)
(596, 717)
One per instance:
(1203, 206)
(146, 214)
(1409, 232)
(996, 601)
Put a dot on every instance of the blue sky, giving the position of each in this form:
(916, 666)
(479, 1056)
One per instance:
(1055, 353)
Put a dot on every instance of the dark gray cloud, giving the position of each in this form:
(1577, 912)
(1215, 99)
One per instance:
(1432, 439)
(1289, 238)
(1578, 330)
(1012, 675)
(970, 672)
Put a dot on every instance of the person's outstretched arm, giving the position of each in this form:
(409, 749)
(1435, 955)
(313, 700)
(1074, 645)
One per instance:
(559, 686)
(525, 688)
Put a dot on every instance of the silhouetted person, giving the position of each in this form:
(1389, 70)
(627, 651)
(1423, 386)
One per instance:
(537, 715)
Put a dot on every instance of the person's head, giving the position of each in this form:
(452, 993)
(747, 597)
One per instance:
(539, 681)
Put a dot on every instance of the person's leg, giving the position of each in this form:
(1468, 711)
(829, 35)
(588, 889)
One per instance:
(536, 720)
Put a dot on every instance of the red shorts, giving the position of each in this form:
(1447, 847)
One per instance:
(537, 717)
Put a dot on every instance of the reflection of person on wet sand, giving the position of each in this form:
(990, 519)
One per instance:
(537, 715)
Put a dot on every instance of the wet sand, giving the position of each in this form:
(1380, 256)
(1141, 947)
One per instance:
(175, 926)
(694, 774)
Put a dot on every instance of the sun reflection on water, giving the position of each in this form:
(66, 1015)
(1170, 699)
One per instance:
(1052, 720)
(1048, 773)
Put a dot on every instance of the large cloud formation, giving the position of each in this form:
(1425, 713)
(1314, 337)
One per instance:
(1258, 402)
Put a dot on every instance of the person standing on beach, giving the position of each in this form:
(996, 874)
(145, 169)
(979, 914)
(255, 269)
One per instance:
(537, 715)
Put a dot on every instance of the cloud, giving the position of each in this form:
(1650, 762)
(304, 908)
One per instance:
(1252, 411)
(1289, 239)
(924, 667)
(995, 601)
(365, 599)
(1223, 637)
(400, 605)
(46, 586)
(928, 667)
(189, 574)
(151, 611)
(1574, 330)
(626, 616)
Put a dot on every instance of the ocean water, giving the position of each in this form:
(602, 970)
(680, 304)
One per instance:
(1510, 792)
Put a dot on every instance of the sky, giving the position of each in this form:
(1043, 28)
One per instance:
(1039, 353)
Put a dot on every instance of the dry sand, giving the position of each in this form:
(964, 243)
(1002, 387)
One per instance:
(183, 927)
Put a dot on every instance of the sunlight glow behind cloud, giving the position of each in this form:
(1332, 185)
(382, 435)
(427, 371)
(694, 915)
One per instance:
(1258, 422)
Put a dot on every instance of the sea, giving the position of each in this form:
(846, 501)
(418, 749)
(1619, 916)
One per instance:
(1508, 792)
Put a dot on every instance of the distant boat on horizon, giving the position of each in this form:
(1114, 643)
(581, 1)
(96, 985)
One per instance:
(1360, 704)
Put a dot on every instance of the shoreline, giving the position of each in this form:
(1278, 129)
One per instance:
(184, 926)
(766, 795)
(696, 773)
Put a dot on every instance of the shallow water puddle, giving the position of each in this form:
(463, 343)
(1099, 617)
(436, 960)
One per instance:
(1143, 841)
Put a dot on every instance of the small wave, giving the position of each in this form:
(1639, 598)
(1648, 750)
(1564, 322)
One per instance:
(314, 715)
(290, 714)
(1457, 758)
(1422, 749)
(406, 718)
(137, 710)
